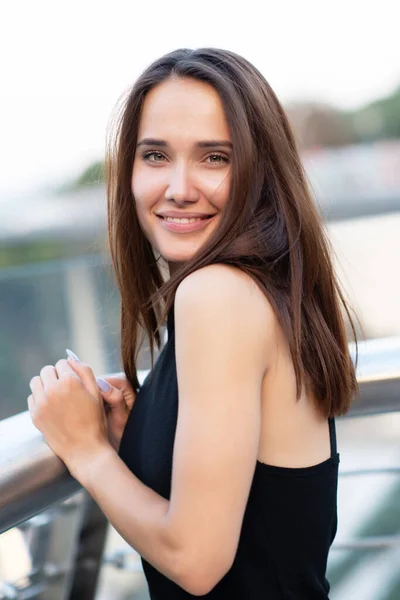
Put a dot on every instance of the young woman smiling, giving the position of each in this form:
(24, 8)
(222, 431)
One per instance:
(221, 470)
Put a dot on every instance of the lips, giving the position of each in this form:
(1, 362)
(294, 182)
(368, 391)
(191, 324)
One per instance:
(184, 216)
(185, 226)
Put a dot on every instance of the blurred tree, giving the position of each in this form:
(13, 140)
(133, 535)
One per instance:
(316, 124)
(377, 120)
(41, 250)
(93, 174)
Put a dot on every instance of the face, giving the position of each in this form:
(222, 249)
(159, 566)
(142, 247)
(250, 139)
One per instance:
(181, 170)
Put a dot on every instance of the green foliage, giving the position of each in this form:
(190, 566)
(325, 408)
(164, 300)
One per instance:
(92, 175)
(378, 120)
(44, 250)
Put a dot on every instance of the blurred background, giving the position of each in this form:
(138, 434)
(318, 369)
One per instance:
(336, 68)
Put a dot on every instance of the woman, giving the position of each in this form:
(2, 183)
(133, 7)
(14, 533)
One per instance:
(225, 479)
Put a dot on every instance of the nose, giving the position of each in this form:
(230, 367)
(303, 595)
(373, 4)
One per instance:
(180, 186)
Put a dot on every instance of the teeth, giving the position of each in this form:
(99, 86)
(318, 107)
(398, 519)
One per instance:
(176, 220)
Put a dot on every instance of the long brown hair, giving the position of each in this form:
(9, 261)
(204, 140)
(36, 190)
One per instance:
(269, 228)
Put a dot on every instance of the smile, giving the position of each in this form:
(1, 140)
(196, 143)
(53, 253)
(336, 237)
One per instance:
(183, 220)
(185, 225)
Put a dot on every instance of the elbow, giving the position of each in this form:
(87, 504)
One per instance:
(199, 588)
(198, 565)
(199, 577)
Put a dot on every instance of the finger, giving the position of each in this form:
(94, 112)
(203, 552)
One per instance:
(31, 403)
(37, 389)
(32, 408)
(121, 383)
(111, 394)
(117, 381)
(64, 369)
(48, 375)
(84, 372)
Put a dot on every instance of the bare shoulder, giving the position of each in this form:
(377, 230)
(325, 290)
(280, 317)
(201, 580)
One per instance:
(224, 286)
(222, 298)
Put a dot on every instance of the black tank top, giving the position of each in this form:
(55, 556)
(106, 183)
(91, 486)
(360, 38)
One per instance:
(291, 515)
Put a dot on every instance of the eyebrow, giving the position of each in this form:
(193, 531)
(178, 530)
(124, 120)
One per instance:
(202, 144)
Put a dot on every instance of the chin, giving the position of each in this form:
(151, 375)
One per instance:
(175, 257)
(178, 255)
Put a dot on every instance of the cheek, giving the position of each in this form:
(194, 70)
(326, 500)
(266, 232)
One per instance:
(217, 190)
(142, 196)
(145, 189)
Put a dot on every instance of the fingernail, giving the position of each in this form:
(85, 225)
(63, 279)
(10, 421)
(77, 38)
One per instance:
(72, 355)
(103, 385)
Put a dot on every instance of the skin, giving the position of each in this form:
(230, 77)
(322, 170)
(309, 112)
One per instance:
(237, 393)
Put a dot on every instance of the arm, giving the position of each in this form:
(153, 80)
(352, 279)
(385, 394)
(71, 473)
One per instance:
(221, 321)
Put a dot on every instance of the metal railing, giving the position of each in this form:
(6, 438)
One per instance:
(33, 479)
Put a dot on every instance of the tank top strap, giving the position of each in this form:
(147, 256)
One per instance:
(332, 434)
(171, 320)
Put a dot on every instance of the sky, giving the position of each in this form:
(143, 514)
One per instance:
(64, 65)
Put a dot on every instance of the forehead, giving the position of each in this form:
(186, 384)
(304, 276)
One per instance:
(183, 106)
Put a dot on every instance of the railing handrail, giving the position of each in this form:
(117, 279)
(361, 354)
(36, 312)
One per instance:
(32, 478)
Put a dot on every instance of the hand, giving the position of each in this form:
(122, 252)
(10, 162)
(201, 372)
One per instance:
(66, 406)
(118, 402)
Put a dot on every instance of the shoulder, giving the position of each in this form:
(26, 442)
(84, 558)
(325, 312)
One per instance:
(222, 297)
(218, 276)
(218, 286)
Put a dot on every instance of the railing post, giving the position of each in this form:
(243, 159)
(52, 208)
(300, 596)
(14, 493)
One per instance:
(88, 559)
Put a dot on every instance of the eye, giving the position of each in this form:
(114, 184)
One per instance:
(153, 156)
(216, 159)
